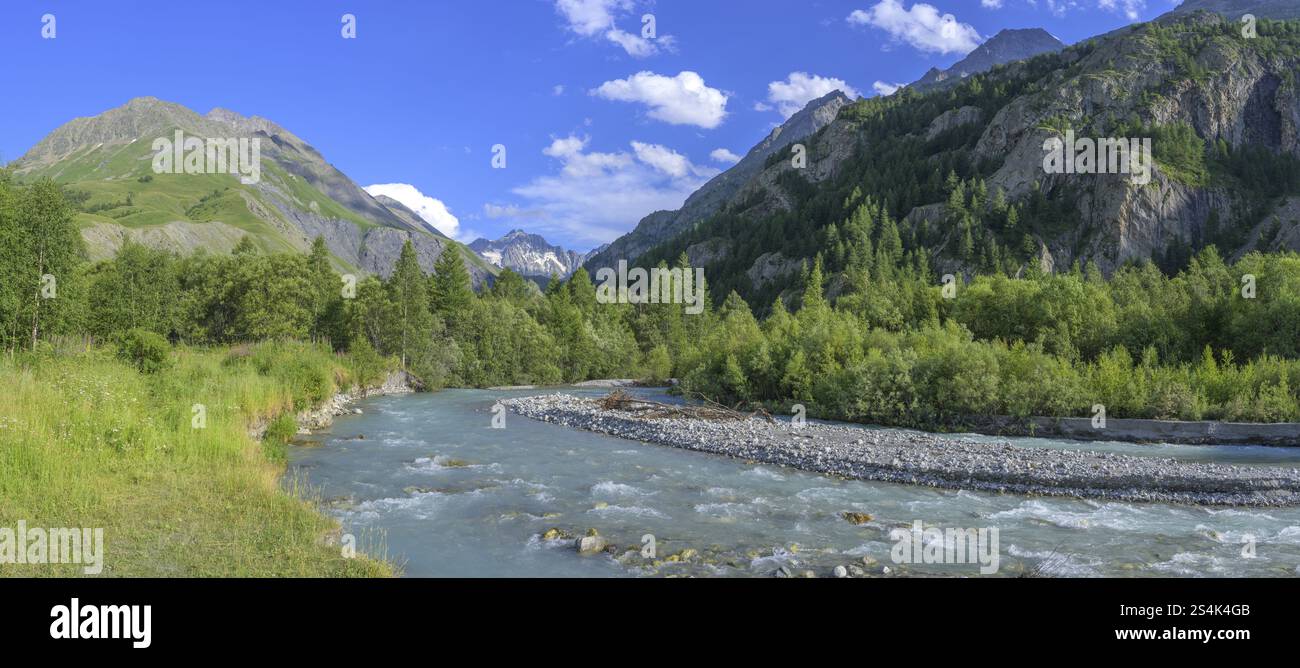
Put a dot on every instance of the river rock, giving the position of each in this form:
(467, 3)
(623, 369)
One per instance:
(556, 534)
(933, 460)
(592, 544)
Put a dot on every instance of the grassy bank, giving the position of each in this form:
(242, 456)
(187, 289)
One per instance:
(89, 440)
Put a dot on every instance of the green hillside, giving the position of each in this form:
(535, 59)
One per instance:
(106, 165)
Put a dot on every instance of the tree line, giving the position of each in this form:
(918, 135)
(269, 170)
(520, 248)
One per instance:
(883, 341)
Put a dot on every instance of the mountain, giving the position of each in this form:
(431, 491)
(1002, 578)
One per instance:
(955, 181)
(1005, 47)
(661, 226)
(403, 212)
(107, 160)
(1235, 9)
(528, 255)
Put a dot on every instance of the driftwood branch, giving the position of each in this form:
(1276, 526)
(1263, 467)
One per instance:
(650, 409)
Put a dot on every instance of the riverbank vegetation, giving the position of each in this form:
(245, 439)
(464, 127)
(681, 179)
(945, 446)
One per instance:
(880, 340)
(164, 460)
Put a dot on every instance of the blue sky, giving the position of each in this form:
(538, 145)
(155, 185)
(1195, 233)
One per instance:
(600, 125)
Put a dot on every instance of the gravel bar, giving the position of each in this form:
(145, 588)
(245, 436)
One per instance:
(932, 460)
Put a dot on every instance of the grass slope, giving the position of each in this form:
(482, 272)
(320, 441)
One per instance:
(88, 441)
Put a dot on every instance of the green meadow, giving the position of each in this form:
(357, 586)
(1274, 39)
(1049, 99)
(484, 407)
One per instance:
(87, 439)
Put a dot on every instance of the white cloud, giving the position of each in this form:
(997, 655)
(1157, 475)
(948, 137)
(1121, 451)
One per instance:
(680, 100)
(591, 18)
(595, 197)
(558, 90)
(883, 88)
(561, 148)
(1130, 8)
(800, 88)
(495, 211)
(640, 47)
(724, 156)
(433, 211)
(668, 161)
(922, 26)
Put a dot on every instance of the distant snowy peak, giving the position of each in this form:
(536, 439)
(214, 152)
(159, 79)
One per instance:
(528, 255)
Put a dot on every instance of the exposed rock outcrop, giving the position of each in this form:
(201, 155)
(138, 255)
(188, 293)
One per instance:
(954, 118)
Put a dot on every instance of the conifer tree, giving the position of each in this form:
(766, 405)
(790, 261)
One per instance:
(452, 290)
(411, 320)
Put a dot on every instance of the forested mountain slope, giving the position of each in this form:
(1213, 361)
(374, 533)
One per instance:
(954, 181)
(661, 226)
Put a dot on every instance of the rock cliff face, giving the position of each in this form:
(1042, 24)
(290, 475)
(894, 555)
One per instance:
(953, 119)
(297, 197)
(1241, 102)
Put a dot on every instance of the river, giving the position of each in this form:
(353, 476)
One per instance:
(427, 481)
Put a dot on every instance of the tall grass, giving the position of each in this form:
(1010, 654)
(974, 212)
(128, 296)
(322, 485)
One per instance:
(86, 440)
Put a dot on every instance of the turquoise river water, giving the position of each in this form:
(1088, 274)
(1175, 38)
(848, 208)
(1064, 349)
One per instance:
(428, 482)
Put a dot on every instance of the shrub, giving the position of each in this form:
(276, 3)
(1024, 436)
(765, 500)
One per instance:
(659, 364)
(277, 435)
(367, 365)
(148, 351)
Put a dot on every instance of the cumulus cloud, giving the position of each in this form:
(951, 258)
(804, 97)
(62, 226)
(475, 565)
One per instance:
(495, 211)
(800, 88)
(638, 46)
(680, 100)
(922, 26)
(1130, 8)
(662, 158)
(883, 88)
(597, 18)
(590, 17)
(433, 211)
(597, 196)
(724, 156)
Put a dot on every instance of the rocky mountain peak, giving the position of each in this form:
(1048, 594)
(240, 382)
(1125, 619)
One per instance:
(1007, 46)
(528, 255)
(248, 124)
(140, 117)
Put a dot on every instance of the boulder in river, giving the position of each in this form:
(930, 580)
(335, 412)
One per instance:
(592, 544)
(856, 519)
(556, 534)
